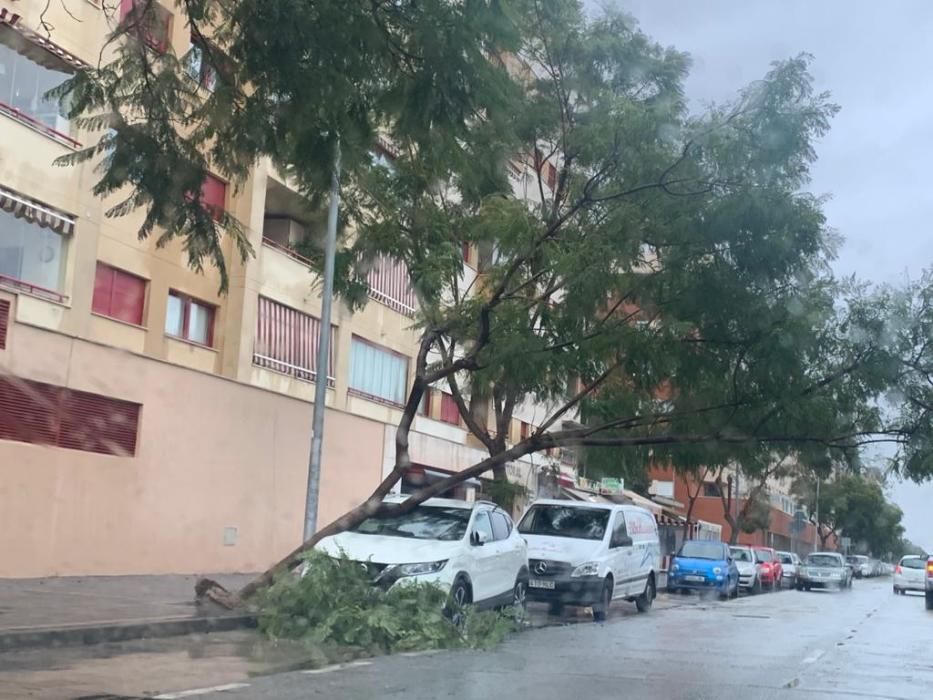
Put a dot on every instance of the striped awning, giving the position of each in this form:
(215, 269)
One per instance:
(36, 46)
(23, 207)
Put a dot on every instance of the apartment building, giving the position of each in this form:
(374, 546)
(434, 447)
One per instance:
(148, 424)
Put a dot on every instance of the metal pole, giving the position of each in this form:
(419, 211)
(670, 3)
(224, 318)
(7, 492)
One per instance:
(816, 543)
(323, 352)
(736, 499)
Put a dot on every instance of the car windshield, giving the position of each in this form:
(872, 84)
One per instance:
(701, 550)
(742, 555)
(914, 563)
(763, 555)
(823, 560)
(422, 523)
(565, 521)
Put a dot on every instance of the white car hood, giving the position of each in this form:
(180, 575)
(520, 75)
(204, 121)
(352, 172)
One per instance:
(383, 549)
(566, 549)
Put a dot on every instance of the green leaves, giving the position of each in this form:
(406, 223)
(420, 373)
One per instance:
(336, 606)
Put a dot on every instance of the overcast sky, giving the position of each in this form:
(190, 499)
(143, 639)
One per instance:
(876, 59)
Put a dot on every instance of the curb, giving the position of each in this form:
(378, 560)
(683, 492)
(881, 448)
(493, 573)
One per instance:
(99, 633)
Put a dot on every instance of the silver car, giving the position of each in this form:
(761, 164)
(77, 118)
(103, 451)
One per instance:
(749, 568)
(790, 562)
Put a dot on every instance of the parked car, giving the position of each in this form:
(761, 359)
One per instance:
(861, 566)
(928, 588)
(590, 554)
(789, 563)
(910, 574)
(771, 572)
(470, 549)
(748, 567)
(704, 565)
(824, 570)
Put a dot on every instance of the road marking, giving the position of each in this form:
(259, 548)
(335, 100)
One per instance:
(413, 654)
(201, 691)
(337, 667)
(814, 657)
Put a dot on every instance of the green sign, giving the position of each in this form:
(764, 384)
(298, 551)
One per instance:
(611, 485)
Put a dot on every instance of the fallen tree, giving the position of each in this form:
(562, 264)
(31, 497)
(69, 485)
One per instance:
(653, 281)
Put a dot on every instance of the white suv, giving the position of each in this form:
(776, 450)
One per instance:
(470, 549)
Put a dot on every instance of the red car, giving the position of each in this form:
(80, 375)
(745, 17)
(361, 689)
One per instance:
(770, 565)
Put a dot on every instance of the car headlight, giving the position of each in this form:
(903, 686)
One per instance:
(591, 568)
(675, 566)
(419, 569)
(717, 570)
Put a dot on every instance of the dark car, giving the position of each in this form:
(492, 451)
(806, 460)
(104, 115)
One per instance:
(824, 570)
(704, 565)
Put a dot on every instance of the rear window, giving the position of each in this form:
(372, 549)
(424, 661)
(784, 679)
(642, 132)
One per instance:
(914, 563)
(702, 550)
(565, 521)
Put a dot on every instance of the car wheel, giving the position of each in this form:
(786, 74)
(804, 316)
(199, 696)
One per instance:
(644, 601)
(735, 591)
(555, 608)
(601, 609)
(756, 586)
(929, 600)
(896, 591)
(460, 598)
(520, 601)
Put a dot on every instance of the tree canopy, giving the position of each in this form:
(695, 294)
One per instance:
(657, 280)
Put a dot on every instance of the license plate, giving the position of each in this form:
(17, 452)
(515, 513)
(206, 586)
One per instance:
(538, 583)
(694, 579)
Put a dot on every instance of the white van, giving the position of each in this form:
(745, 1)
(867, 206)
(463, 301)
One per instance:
(590, 554)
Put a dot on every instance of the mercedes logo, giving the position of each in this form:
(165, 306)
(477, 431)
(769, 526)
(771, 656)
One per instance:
(541, 568)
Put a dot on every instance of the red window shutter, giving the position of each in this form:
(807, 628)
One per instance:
(214, 195)
(424, 408)
(28, 411)
(128, 298)
(525, 430)
(550, 174)
(4, 322)
(101, 424)
(44, 414)
(103, 289)
(449, 411)
(467, 253)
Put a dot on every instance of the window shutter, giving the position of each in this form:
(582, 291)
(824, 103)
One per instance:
(214, 195)
(4, 322)
(128, 297)
(449, 411)
(44, 414)
(103, 290)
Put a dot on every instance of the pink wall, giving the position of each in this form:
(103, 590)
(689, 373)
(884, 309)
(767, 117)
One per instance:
(212, 454)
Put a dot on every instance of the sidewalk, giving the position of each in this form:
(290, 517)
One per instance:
(93, 609)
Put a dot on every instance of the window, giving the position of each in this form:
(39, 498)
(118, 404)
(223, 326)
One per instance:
(189, 319)
(576, 522)
(199, 68)
(214, 195)
(44, 414)
(711, 489)
(619, 532)
(119, 294)
(377, 373)
(501, 525)
(524, 431)
(389, 284)
(550, 176)
(31, 250)
(27, 72)
(287, 341)
(481, 524)
(151, 22)
(424, 408)
(449, 411)
(469, 254)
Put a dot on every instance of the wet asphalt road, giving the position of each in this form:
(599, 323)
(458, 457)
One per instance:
(865, 643)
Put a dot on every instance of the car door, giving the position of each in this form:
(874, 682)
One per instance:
(620, 556)
(482, 559)
(506, 552)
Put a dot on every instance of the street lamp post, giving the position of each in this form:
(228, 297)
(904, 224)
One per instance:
(323, 353)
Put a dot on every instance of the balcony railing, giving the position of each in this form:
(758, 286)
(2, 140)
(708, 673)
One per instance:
(389, 284)
(287, 342)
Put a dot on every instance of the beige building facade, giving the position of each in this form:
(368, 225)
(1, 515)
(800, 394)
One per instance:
(148, 424)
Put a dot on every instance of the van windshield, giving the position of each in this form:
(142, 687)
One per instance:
(565, 521)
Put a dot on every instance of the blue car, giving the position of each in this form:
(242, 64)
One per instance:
(704, 565)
